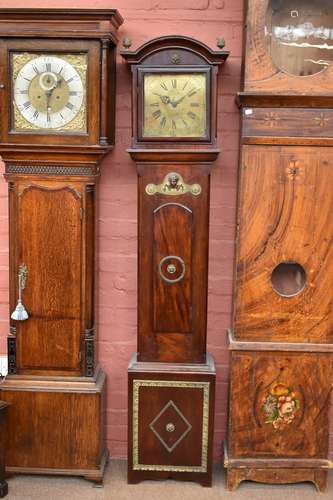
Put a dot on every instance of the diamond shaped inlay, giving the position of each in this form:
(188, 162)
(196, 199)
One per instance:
(170, 426)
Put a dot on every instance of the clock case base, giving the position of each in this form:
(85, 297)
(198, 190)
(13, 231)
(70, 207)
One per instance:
(185, 395)
(297, 451)
(56, 425)
(276, 475)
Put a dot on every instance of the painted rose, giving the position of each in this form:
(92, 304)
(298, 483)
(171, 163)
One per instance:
(280, 406)
(287, 408)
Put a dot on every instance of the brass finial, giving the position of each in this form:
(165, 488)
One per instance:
(220, 42)
(127, 42)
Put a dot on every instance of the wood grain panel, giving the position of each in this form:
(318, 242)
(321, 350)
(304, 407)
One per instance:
(173, 228)
(54, 430)
(172, 317)
(50, 246)
(285, 215)
(308, 377)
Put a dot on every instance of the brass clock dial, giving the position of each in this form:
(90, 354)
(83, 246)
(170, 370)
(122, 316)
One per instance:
(175, 105)
(49, 92)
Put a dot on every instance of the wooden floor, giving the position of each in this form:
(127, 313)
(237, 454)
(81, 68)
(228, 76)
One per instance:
(116, 488)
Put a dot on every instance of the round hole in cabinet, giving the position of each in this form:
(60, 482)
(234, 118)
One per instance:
(288, 279)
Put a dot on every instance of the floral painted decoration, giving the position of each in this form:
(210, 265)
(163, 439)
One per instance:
(280, 406)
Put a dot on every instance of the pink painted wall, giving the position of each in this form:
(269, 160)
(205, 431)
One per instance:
(117, 223)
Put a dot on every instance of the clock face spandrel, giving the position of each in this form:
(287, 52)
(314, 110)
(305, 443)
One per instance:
(175, 105)
(49, 92)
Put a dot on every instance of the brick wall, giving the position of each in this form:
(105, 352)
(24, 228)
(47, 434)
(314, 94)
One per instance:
(117, 228)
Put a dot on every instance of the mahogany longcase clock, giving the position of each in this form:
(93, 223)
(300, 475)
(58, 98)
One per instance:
(172, 378)
(57, 95)
(282, 343)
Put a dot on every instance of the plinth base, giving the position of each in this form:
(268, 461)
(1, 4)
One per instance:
(277, 476)
(279, 415)
(171, 420)
(55, 425)
(276, 471)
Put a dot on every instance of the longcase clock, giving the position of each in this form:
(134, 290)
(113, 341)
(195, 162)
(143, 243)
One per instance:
(282, 343)
(57, 107)
(172, 378)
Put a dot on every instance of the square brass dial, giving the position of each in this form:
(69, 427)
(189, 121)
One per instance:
(49, 92)
(175, 105)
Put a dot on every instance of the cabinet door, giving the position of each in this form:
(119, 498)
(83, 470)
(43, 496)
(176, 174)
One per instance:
(46, 237)
(170, 424)
(279, 405)
(285, 252)
(173, 247)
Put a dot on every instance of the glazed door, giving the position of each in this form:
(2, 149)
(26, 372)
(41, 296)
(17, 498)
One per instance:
(173, 247)
(46, 235)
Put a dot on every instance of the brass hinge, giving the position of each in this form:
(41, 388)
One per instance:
(81, 213)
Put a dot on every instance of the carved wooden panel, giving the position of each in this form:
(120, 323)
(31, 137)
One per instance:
(48, 242)
(285, 251)
(173, 243)
(279, 405)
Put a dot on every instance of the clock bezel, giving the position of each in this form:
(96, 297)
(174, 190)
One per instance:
(142, 71)
(91, 48)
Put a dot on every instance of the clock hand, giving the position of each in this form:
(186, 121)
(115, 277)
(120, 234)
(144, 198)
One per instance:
(49, 93)
(48, 107)
(164, 98)
(174, 104)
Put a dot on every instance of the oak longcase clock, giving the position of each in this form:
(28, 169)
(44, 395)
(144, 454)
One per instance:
(57, 101)
(281, 344)
(174, 147)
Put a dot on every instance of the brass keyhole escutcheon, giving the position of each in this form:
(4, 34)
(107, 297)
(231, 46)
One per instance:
(170, 427)
(171, 268)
